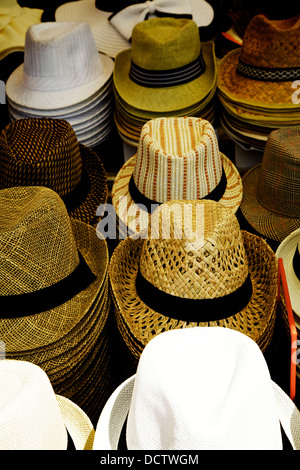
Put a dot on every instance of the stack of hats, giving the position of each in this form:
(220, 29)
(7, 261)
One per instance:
(46, 152)
(257, 82)
(176, 158)
(195, 268)
(63, 76)
(55, 299)
(167, 72)
(112, 22)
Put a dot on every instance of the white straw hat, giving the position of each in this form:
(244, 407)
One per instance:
(199, 388)
(112, 35)
(61, 67)
(32, 417)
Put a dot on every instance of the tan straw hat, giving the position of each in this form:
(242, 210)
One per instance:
(46, 152)
(199, 389)
(177, 158)
(261, 72)
(33, 417)
(271, 191)
(196, 268)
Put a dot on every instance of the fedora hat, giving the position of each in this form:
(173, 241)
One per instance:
(147, 77)
(46, 152)
(33, 417)
(184, 397)
(195, 267)
(176, 158)
(14, 22)
(260, 72)
(112, 22)
(61, 67)
(271, 192)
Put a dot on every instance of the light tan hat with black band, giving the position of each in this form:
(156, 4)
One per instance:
(195, 267)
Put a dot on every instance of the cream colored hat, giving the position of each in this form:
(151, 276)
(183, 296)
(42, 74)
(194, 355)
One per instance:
(199, 389)
(32, 417)
(177, 158)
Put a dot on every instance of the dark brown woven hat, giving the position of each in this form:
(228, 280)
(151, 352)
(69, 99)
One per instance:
(46, 152)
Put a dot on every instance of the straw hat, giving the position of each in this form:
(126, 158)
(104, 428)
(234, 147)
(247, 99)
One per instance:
(32, 417)
(262, 71)
(54, 268)
(196, 268)
(61, 67)
(46, 152)
(271, 192)
(112, 22)
(177, 158)
(146, 76)
(184, 397)
(14, 22)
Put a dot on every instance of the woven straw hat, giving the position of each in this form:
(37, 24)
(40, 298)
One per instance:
(271, 192)
(33, 417)
(146, 76)
(196, 268)
(177, 158)
(61, 67)
(54, 269)
(46, 152)
(230, 404)
(261, 72)
(14, 22)
(112, 22)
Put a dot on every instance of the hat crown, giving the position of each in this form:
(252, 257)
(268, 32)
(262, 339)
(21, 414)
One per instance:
(271, 43)
(40, 152)
(60, 56)
(30, 417)
(279, 187)
(195, 250)
(37, 246)
(165, 43)
(177, 158)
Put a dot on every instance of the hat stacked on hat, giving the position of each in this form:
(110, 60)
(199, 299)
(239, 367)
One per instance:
(63, 76)
(55, 299)
(166, 72)
(201, 389)
(112, 21)
(257, 83)
(33, 417)
(271, 192)
(195, 268)
(176, 158)
(14, 22)
(46, 152)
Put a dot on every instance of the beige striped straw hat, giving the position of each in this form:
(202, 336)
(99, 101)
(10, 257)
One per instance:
(176, 158)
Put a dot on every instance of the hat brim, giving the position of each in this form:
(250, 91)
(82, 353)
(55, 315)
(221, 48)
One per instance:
(18, 93)
(139, 324)
(255, 93)
(114, 414)
(123, 202)
(264, 221)
(38, 330)
(164, 99)
(286, 251)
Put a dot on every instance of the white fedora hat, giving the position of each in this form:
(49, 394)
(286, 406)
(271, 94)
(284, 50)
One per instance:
(111, 22)
(199, 388)
(62, 67)
(33, 417)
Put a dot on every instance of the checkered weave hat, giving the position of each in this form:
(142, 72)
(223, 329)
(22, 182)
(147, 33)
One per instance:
(195, 268)
(271, 189)
(177, 158)
(46, 152)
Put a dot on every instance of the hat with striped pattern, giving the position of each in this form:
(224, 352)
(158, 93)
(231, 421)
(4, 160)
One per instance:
(177, 158)
(271, 199)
